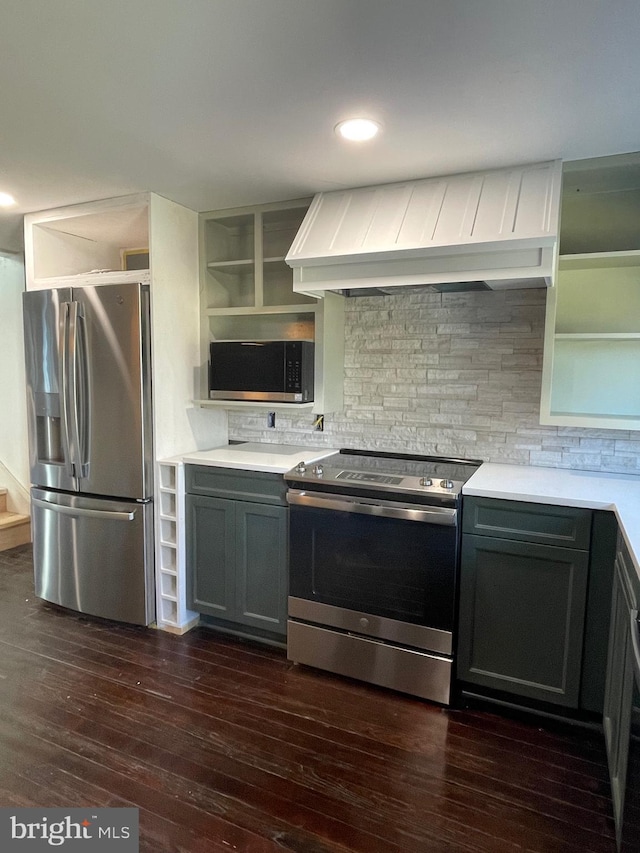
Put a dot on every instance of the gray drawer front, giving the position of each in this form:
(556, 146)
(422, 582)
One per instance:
(234, 484)
(566, 527)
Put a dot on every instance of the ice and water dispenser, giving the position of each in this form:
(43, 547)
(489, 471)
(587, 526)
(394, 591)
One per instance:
(49, 436)
(42, 346)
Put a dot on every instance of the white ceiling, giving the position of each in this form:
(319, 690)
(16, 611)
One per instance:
(219, 103)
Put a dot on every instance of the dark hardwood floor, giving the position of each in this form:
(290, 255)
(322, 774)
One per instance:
(223, 745)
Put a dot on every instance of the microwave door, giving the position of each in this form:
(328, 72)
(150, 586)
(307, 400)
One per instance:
(278, 371)
(46, 339)
(249, 367)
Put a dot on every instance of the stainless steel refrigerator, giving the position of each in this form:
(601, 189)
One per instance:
(88, 374)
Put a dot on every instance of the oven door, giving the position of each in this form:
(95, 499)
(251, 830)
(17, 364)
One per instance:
(378, 558)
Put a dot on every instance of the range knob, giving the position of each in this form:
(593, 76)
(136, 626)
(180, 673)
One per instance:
(318, 470)
(301, 468)
(426, 481)
(446, 484)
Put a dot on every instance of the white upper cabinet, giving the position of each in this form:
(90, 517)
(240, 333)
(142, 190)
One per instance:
(246, 293)
(591, 369)
(500, 227)
(591, 375)
(110, 236)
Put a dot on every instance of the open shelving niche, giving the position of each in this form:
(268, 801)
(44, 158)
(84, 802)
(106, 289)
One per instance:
(246, 293)
(591, 376)
(172, 613)
(88, 243)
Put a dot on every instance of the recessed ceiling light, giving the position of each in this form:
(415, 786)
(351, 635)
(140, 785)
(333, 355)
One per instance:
(6, 200)
(358, 129)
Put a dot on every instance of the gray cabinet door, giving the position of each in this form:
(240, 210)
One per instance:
(211, 555)
(237, 561)
(618, 690)
(598, 615)
(261, 569)
(522, 609)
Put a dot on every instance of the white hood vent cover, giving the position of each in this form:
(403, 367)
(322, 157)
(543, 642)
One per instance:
(499, 228)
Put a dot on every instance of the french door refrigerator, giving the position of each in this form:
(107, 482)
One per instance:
(88, 375)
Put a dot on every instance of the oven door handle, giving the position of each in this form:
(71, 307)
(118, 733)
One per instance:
(385, 509)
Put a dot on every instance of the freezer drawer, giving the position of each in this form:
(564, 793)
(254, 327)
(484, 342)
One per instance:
(94, 555)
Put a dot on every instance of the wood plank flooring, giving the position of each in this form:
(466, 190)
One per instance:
(225, 745)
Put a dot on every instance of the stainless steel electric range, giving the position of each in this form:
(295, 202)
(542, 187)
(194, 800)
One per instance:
(373, 557)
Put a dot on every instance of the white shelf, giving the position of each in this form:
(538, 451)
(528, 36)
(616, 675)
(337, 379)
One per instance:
(91, 279)
(231, 266)
(167, 477)
(248, 404)
(599, 260)
(172, 613)
(595, 420)
(298, 308)
(168, 558)
(167, 504)
(597, 336)
(169, 586)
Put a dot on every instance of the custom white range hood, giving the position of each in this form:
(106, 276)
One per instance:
(486, 230)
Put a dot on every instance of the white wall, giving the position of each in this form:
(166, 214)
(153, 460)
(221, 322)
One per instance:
(11, 233)
(14, 458)
(175, 301)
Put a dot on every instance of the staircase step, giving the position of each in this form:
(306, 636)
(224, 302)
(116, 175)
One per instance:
(3, 500)
(15, 529)
(12, 519)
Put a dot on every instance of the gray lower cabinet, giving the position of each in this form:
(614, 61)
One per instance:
(237, 549)
(533, 615)
(619, 685)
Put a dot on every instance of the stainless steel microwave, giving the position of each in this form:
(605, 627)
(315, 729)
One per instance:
(268, 371)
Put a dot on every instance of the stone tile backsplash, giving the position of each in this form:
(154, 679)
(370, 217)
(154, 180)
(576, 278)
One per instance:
(451, 375)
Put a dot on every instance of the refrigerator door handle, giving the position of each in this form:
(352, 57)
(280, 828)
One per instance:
(91, 513)
(76, 398)
(80, 355)
(63, 357)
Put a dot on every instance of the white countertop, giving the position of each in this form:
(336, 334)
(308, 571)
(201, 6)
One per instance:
(619, 493)
(591, 489)
(256, 456)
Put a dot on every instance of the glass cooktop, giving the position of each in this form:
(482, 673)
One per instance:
(392, 473)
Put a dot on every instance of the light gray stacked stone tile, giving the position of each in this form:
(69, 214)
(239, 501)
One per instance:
(448, 374)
